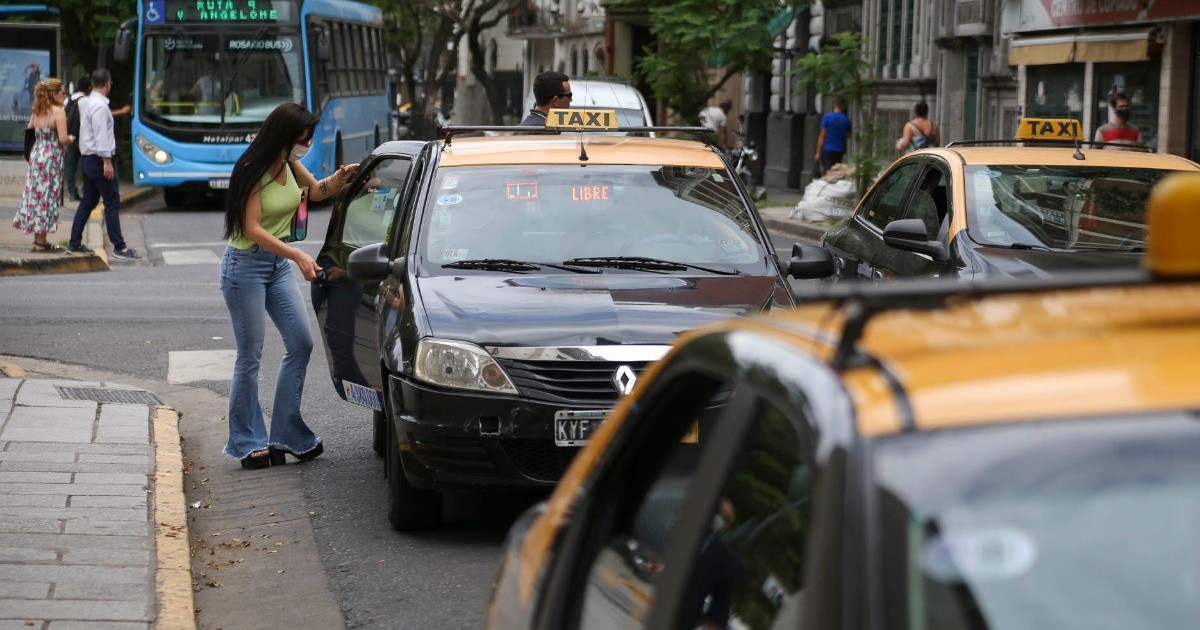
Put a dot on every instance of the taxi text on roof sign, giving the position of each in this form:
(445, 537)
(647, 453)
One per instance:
(581, 119)
(1064, 129)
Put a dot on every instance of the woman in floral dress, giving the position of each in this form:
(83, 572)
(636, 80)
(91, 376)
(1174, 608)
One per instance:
(38, 213)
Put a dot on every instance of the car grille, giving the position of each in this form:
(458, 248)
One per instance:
(452, 455)
(568, 382)
(540, 459)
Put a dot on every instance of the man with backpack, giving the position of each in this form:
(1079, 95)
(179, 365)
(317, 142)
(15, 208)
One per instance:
(83, 87)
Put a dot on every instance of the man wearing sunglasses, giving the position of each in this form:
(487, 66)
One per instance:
(551, 90)
(1119, 130)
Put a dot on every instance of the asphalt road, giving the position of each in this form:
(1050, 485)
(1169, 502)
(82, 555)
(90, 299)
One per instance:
(128, 320)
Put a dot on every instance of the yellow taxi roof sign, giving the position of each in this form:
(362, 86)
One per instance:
(1172, 225)
(1061, 129)
(580, 119)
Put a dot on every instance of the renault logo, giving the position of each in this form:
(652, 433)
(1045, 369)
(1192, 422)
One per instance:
(624, 379)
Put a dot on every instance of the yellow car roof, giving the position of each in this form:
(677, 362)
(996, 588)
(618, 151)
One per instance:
(564, 149)
(1065, 156)
(1012, 358)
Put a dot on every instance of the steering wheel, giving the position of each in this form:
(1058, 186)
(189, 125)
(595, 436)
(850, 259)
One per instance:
(656, 239)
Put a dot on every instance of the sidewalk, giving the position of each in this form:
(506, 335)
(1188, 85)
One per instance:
(776, 215)
(93, 527)
(16, 259)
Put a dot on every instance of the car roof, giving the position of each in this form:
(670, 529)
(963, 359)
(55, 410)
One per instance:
(1011, 358)
(1063, 156)
(565, 149)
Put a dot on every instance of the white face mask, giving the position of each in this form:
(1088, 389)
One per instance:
(299, 151)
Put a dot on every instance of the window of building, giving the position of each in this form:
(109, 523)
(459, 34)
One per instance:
(1054, 91)
(1139, 82)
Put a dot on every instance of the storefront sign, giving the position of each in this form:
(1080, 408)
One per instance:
(1052, 14)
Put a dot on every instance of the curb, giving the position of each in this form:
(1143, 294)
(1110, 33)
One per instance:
(176, 606)
(798, 230)
(98, 261)
(11, 370)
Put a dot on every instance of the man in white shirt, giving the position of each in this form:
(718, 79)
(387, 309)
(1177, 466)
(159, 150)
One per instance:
(716, 117)
(98, 149)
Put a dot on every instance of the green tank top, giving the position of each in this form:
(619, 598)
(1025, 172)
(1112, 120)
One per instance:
(279, 202)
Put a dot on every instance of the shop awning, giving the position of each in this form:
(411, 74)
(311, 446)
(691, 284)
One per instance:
(1103, 46)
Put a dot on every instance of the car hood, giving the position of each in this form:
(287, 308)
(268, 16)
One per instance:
(584, 310)
(1032, 262)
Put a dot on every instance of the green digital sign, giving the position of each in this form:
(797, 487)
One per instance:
(229, 11)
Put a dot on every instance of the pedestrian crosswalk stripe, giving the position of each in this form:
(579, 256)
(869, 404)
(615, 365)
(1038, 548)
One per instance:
(190, 257)
(199, 365)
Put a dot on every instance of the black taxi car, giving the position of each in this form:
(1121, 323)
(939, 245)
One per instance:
(1041, 203)
(491, 297)
(1012, 453)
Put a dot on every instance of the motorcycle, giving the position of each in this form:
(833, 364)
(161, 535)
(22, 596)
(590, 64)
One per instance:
(743, 156)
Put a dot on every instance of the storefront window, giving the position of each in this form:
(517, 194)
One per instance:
(1139, 82)
(1054, 91)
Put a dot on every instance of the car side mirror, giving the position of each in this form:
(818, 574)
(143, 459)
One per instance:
(909, 235)
(810, 262)
(371, 264)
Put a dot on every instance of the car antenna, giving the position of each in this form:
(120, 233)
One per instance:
(1078, 154)
(583, 157)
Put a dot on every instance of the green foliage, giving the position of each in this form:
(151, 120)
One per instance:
(696, 34)
(841, 70)
(88, 26)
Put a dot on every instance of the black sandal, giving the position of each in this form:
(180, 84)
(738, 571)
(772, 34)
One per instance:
(47, 248)
(254, 462)
(278, 454)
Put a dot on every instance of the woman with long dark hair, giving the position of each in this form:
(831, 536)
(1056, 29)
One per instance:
(257, 280)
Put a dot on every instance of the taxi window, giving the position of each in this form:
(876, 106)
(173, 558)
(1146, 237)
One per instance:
(621, 583)
(370, 212)
(1059, 207)
(1077, 524)
(552, 213)
(886, 203)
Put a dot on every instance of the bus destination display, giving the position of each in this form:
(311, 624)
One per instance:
(217, 11)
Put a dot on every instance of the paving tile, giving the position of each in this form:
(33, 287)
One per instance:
(74, 573)
(9, 457)
(22, 554)
(124, 414)
(97, 625)
(76, 609)
(143, 458)
(70, 543)
(47, 435)
(67, 513)
(123, 431)
(130, 557)
(28, 525)
(24, 590)
(125, 528)
(33, 477)
(141, 467)
(34, 500)
(109, 502)
(78, 489)
(81, 449)
(127, 591)
(111, 478)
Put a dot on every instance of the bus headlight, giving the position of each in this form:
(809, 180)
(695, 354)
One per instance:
(460, 365)
(153, 152)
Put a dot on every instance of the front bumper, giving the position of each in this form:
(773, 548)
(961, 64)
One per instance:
(462, 439)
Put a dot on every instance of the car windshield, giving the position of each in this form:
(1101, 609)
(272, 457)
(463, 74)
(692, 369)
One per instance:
(1073, 524)
(557, 213)
(1059, 207)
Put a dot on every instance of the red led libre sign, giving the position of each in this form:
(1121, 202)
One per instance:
(521, 191)
(589, 193)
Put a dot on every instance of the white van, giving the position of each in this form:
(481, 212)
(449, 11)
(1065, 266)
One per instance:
(631, 107)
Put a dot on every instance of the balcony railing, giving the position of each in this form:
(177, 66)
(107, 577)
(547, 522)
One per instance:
(536, 19)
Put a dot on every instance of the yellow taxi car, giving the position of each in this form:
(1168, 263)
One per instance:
(1042, 203)
(1010, 454)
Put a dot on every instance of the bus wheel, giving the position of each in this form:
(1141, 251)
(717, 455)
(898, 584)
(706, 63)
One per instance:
(174, 197)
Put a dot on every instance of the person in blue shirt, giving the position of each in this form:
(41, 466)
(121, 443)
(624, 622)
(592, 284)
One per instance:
(835, 132)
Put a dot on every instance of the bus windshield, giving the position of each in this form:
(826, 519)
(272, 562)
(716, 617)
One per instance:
(219, 79)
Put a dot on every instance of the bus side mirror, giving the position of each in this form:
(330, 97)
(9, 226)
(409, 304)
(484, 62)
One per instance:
(324, 46)
(124, 40)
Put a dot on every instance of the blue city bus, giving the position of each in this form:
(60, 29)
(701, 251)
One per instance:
(208, 72)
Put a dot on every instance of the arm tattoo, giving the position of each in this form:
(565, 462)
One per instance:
(325, 186)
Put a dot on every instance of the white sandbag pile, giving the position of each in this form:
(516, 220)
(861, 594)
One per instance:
(830, 197)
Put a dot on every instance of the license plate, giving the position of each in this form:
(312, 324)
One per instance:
(220, 184)
(574, 428)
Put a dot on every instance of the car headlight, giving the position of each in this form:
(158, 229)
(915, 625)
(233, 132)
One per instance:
(460, 365)
(157, 155)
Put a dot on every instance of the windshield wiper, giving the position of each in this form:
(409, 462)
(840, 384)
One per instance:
(1028, 246)
(506, 264)
(227, 89)
(642, 262)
